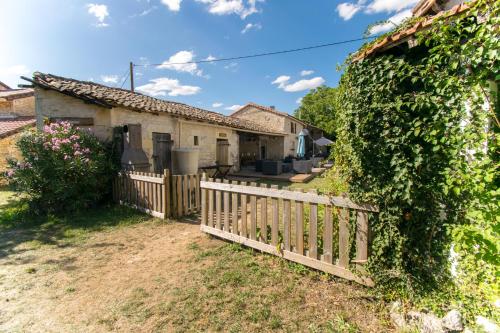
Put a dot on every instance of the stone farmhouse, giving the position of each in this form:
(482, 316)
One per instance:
(280, 122)
(17, 111)
(156, 133)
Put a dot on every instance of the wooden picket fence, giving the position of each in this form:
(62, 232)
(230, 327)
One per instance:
(185, 194)
(261, 218)
(160, 195)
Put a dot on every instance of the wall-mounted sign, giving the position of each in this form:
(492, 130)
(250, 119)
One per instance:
(222, 135)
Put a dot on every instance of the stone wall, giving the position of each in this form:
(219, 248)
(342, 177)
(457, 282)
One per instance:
(8, 149)
(24, 106)
(54, 104)
(291, 139)
(280, 123)
(5, 107)
(268, 119)
(18, 107)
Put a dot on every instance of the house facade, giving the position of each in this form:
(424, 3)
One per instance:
(280, 122)
(17, 111)
(160, 127)
(156, 133)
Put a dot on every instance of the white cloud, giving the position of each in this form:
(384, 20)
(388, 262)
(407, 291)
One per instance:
(145, 12)
(11, 75)
(109, 78)
(347, 10)
(250, 26)
(389, 6)
(394, 21)
(233, 67)
(283, 83)
(299, 100)
(306, 72)
(235, 107)
(217, 105)
(164, 85)
(173, 5)
(210, 58)
(100, 12)
(182, 61)
(228, 7)
(304, 84)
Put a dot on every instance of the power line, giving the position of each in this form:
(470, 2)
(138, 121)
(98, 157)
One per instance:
(126, 74)
(261, 54)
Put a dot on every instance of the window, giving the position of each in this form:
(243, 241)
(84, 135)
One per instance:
(196, 142)
(293, 127)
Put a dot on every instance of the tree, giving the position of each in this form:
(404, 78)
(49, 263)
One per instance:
(318, 108)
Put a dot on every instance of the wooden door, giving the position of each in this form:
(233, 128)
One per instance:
(222, 152)
(162, 152)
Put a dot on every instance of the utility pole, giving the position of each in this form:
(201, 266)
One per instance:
(131, 76)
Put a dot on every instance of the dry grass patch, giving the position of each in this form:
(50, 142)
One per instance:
(118, 271)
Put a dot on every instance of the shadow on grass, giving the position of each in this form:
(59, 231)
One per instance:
(18, 225)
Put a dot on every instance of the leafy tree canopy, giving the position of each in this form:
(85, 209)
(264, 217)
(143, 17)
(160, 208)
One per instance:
(318, 108)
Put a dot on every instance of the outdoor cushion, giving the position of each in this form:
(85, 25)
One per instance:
(271, 167)
(286, 167)
(258, 165)
(303, 166)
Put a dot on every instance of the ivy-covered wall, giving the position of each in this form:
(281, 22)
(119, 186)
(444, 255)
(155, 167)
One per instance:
(418, 135)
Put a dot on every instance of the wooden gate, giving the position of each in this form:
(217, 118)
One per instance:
(147, 192)
(162, 152)
(185, 194)
(160, 195)
(275, 221)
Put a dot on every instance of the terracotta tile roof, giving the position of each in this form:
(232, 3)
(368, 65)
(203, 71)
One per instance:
(9, 126)
(16, 93)
(272, 110)
(3, 86)
(113, 97)
(400, 36)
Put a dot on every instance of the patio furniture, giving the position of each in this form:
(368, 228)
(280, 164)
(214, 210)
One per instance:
(302, 166)
(286, 167)
(271, 167)
(258, 165)
(316, 161)
(217, 171)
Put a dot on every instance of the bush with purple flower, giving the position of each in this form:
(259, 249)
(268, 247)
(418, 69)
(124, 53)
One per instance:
(64, 168)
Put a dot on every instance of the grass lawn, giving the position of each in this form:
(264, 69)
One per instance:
(113, 269)
(6, 196)
(322, 184)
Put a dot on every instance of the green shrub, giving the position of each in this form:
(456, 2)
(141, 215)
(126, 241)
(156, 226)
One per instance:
(63, 169)
(415, 137)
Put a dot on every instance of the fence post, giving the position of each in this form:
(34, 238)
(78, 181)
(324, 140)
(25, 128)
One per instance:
(204, 207)
(166, 194)
(362, 231)
(344, 238)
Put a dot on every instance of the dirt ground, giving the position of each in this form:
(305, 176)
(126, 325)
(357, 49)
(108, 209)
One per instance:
(164, 277)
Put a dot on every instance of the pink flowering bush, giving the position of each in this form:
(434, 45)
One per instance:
(63, 168)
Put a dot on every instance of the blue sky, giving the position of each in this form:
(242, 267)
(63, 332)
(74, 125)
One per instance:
(96, 39)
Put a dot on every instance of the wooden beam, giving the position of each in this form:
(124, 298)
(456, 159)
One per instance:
(290, 195)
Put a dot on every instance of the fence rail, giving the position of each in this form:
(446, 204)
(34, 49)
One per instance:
(160, 195)
(294, 225)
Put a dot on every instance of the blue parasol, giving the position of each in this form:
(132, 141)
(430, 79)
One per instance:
(301, 145)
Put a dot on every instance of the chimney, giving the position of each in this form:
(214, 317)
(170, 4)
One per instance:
(133, 157)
